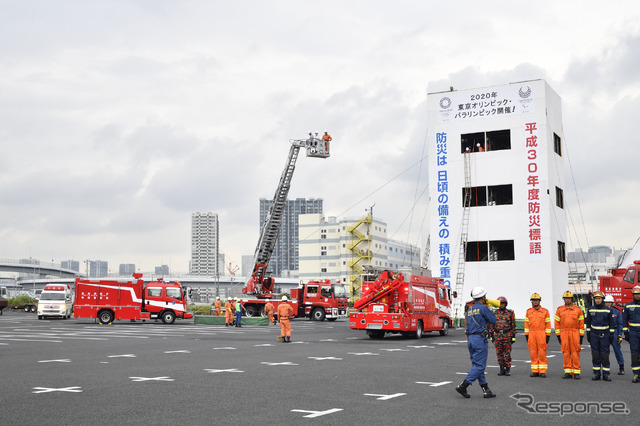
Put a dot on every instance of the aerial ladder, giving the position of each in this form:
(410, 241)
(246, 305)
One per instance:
(386, 283)
(464, 227)
(259, 283)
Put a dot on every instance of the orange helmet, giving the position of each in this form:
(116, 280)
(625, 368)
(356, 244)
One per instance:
(535, 296)
(636, 290)
(598, 294)
(567, 294)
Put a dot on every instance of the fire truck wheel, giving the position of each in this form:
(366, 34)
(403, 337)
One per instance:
(105, 316)
(318, 314)
(419, 330)
(168, 317)
(250, 311)
(445, 327)
(27, 308)
(262, 313)
(33, 309)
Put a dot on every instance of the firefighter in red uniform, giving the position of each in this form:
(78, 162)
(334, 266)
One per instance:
(537, 329)
(503, 334)
(218, 306)
(569, 326)
(284, 312)
(268, 309)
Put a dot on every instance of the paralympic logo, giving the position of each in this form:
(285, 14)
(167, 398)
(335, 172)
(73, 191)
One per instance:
(527, 403)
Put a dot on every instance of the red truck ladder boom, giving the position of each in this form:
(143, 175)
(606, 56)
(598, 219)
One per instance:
(385, 284)
(259, 284)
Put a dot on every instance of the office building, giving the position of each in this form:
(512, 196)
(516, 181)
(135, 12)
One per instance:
(204, 244)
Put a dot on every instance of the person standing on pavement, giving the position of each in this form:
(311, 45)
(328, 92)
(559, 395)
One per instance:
(284, 313)
(238, 308)
(600, 329)
(268, 309)
(503, 334)
(631, 329)
(218, 306)
(478, 319)
(617, 334)
(228, 313)
(569, 326)
(537, 329)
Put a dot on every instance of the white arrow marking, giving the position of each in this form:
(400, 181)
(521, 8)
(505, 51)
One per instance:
(69, 389)
(435, 385)
(265, 344)
(362, 353)
(122, 356)
(184, 351)
(384, 397)
(145, 379)
(313, 414)
(230, 370)
(322, 358)
(395, 350)
(226, 348)
(278, 363)
(55, 360)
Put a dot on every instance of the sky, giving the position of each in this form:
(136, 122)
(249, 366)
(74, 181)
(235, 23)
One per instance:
(119, 119)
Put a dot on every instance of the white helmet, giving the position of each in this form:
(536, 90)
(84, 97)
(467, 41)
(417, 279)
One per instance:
(217, 297)
(478, 292)
(284, 298)
(608, 299)
(267, 300)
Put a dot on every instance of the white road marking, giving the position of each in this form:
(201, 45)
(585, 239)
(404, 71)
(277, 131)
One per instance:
(55, 360)
(230, 370)
(146, 379)
(435, 385)
(395, 350)
(421, 346)
(328, 340)
(381, 397)
(46, 390)
(265, 344)
(183, 351)
(122, 356)
(445, 343)
(278, 363)
(323, 358)
(225, 348)
(362, 353)
(313, 414)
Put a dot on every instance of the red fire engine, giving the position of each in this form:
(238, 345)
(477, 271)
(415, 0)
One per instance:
(620, 283)
(392, 305)
(108, 300)
(316, 300)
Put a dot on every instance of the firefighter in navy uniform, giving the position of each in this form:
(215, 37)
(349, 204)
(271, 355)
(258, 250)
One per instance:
(600, 330)
(503, 334)
(478, 318)
(617, 336)
(631, 329)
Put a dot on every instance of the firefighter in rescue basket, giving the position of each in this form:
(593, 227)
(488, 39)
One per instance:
(503, 334)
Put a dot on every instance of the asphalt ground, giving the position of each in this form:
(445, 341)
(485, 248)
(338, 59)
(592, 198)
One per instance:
(76, 372)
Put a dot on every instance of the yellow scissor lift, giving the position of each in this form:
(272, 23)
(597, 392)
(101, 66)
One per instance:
(359, 246)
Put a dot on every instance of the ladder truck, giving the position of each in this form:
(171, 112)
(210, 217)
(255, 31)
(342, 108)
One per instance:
(259, 284)
(317, 300)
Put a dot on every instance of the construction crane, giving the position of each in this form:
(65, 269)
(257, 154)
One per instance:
(258, 283)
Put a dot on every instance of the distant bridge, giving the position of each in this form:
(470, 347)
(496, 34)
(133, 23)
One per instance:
(35, 267)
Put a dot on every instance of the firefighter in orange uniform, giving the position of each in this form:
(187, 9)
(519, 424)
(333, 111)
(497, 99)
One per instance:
(228, 314)
(268, 309)
(284, 312)
(218, 306)
(569, 326)
(537, 329)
